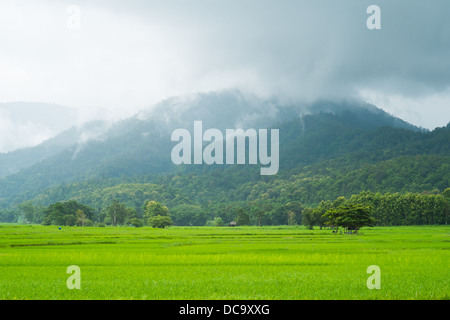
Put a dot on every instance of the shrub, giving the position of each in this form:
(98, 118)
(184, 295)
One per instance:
(217, 222)
(136, 222)
(160, 221)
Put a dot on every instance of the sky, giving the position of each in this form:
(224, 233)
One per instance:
(110, 58)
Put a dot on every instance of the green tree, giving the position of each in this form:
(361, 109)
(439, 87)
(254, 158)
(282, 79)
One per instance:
(446, 193)
(259, 214)
(160, 221)
(80, 217)
(136, 222)
(188, 215)
(318, 217)
(28, 211)
(69, 220)
(154, 208)
(350, 217)
(157, 215)
(294, 212)
(308, 218)
(58, 213)
(117, 212)
(242, 217)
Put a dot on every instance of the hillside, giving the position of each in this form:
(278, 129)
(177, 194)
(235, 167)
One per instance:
(326, 150)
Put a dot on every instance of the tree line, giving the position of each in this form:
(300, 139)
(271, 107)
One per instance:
(387, 209)
(71, 213)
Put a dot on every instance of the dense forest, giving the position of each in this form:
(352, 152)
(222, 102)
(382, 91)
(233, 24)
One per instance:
(337, 153)
(387, 209)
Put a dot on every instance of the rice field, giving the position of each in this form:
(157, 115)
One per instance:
(223, 263)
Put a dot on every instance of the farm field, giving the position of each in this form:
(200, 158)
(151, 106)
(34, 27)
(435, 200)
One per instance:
(215, 263)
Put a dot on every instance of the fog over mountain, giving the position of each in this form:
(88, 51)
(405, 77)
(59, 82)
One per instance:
(25, 124)
(237, 109)
(326, 149)
(110, 59)
(32, 124)
(141, 144)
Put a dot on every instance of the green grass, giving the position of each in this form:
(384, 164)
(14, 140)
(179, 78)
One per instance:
(283, 263)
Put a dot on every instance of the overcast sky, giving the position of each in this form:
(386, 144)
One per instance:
(128, 55)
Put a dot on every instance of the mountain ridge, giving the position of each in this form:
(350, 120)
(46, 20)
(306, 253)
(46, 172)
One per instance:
(137, 150)
(222, 110)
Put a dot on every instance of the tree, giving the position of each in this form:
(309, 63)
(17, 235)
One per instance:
(318, 213)
(69, 220)
(65, 213)
(117, 212)
(154, 208)
(157, 215)
(242, 217)
(136, 222)
(319, 219)
(294, 212)
(278, 214)
(27, 209)
(350, 217)
(446, 193)
(80, 217)
(188, 214)
(160, 221)
(259, 214)
(308, 218)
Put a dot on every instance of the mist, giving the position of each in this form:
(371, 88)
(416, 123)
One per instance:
(128, 56)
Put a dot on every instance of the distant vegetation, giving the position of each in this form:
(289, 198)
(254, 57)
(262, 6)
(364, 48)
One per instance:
(358, 155)
(388, 209)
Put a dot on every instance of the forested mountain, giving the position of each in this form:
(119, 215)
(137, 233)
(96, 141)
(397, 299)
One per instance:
(327, 150)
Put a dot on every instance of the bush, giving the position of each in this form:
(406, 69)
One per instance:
(217, 222)
(160, 221)
(136, 222)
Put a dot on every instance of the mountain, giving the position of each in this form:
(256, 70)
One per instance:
(233, 109)
(327, 149)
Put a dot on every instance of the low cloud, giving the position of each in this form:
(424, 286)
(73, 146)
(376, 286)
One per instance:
(15, 135)
(128, 55)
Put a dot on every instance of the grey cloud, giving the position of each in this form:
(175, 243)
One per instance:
(132, 53)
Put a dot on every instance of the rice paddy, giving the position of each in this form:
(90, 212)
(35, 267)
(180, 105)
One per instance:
(223, 263)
